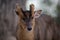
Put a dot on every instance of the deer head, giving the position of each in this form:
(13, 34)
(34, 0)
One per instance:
(27, 18)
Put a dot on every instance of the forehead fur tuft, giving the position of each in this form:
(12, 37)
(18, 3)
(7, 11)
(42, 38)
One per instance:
(27, 13)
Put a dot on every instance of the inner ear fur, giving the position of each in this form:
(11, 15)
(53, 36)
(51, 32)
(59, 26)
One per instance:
(37, 14)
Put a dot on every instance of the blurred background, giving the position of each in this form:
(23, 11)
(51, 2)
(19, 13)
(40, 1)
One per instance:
(8, 17)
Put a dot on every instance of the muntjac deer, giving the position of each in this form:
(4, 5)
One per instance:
(33, 25)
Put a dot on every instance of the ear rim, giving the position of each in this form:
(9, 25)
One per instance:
(39, 11)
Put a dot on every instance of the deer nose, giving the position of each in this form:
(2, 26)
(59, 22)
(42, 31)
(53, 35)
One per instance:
(29, 29)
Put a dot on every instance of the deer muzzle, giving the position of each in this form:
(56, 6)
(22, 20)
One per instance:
(29, 26)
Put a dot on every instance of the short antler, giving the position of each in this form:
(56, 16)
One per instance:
(32, 9)
(19, 10)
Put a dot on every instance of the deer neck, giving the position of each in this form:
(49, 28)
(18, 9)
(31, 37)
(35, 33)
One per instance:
(26, 35)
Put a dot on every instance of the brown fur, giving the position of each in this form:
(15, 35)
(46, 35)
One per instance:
(23, 33)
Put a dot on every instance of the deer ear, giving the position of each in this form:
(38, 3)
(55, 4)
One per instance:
(19, 10)
(37, 14)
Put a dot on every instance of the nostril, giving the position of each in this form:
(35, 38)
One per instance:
(29, 29)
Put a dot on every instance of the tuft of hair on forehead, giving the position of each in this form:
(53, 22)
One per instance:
(27, 13)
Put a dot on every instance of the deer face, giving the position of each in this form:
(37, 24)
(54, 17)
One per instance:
(27, 18)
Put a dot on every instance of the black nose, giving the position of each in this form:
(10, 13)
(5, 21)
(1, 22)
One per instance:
(29, 29)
